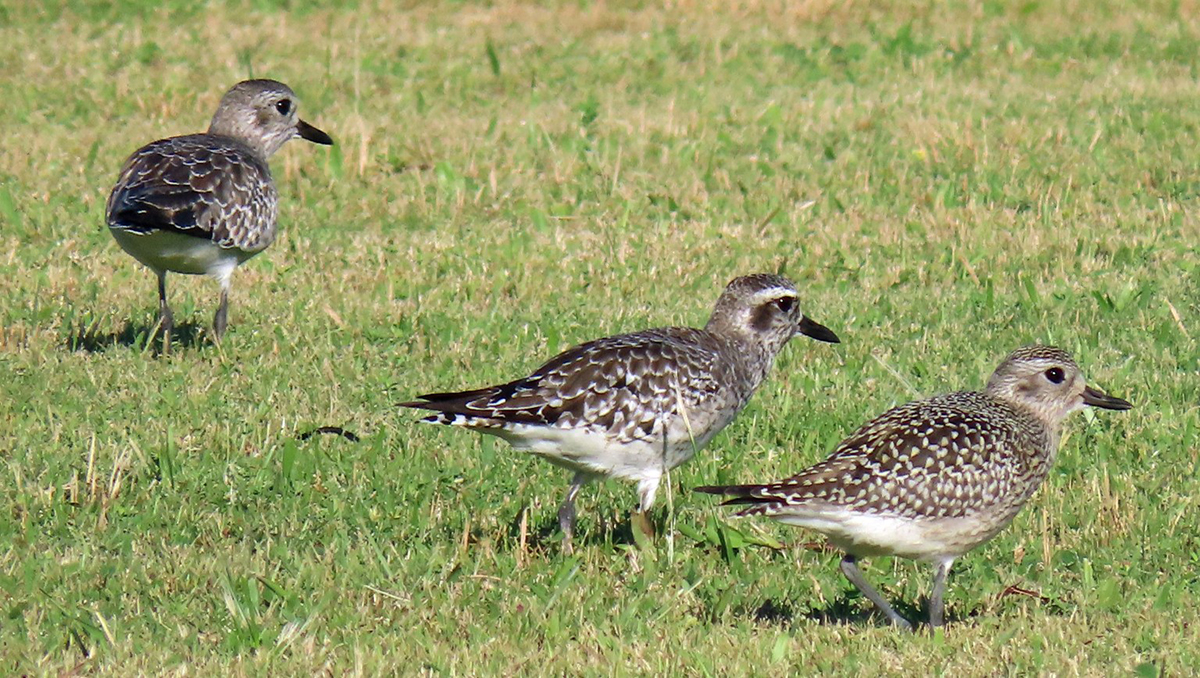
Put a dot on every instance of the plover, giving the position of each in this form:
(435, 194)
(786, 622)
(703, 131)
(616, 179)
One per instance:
(205, 203)
(634, 406)
(933, 479)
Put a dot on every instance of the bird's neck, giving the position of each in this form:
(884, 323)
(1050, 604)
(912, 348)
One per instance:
(1042, 431)
(749, 356)
(229, 131)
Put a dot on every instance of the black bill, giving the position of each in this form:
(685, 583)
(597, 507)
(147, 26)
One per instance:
(307, 131)
(816, 330)
(1097, 398)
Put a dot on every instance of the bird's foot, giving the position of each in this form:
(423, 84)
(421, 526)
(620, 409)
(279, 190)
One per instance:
(642, 527)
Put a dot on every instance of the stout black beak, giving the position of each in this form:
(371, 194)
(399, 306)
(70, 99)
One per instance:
(307, 131)
(1097, 398)
(816, 330)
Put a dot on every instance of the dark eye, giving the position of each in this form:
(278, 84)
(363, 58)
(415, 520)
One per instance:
(284, 106)
(1055, 375)
(785, 304)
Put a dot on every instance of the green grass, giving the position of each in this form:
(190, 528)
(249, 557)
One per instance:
(945, 182)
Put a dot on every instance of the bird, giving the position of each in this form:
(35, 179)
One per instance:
(935, 478)
(202, 204)
(633, 406)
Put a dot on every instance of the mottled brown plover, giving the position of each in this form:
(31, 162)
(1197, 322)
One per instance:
(205, 203)
(634, 406)
(935, 478)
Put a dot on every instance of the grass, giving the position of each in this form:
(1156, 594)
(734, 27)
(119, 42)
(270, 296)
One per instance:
(945, 182)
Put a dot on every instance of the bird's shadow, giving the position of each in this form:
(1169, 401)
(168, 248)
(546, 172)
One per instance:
(772, 613)
(851, 609)
(594, 531)
(846, 610)
(89, 339)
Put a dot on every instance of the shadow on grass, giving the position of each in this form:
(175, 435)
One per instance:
(849, 609)
(852, 609)
(590, 531)
(86, 338)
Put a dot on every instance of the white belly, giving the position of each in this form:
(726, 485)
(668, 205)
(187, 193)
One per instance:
(590, 451)
(865, 535)
(179, 253)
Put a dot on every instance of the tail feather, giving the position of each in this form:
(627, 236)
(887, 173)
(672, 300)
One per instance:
(479, 402)
(736, 490)
(447, 397)
(740, 495)
(449, 403)
(459, 419)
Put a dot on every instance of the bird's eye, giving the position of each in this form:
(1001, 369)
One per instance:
(284, 106)
(785, 304)
(1055, 375)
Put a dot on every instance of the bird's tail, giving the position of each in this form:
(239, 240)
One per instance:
(756, 498)
(453, 409)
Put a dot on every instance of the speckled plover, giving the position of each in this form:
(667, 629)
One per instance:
(933, 479)
(634, 406)
(205, 203)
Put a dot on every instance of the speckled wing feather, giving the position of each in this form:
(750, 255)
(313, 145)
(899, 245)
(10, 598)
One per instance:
(621, 384)
(200, 185)
(948, 456)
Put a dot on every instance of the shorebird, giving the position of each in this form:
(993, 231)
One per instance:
(933, 479)
(205, 203)
(634, 406)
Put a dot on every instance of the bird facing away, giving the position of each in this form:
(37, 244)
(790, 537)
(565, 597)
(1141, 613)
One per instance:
(933, 479)
(634, 406)
(205, 203)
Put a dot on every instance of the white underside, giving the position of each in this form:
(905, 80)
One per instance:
(593, 454)
(867, 535)
(179, 253)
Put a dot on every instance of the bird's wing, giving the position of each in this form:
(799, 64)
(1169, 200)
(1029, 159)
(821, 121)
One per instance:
(624, 384)
(923, 459)
(200, 186)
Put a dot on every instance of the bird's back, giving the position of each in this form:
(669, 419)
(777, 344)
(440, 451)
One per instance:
(622, 384)
(200, 185)
(953, 456)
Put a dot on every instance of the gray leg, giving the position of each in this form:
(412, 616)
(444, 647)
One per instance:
(937, 600)
(566, 512)
(647, 489)
(221, 319)
(165, 320)
(850, 569)
(640, 519)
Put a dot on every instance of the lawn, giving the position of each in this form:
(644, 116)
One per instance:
(945, 182)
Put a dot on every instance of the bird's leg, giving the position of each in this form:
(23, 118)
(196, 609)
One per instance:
(221, 319)
(165, 320)
(850, 569)
(566, 512)
(937, 600)
(647, 489)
